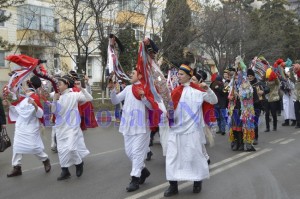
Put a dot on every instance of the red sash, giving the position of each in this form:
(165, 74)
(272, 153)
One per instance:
(86, 111)
(207, 108)
(155, 113)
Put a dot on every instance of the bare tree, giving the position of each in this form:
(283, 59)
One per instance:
(78, 36)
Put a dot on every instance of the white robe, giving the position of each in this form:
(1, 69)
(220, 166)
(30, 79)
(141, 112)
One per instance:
(185, 159)
(163, 128)
(134, 127)
(288, 107)
(70, 142)
(27, 138)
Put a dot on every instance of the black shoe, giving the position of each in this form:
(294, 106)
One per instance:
(65, 174)
(151, 142)
(149, 154)
(134, 184)
(79, 169)
(197, 187)
(47, 165)
(208, 161)
(17, 171)
(255, 142)
(222, 133)
(234, 146)
(267, 130)
(274, 129)
(286, 123)
(294, 123)
(145, 174)
(171, 191)
(250, 147)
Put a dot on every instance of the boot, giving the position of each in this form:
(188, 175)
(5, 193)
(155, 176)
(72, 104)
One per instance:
(286, 123)
(208, 161)
(149, 154)
(197, 187)
(134, 184)
(145, 174)
(255, 141)
(152, 134)
(234, 145)
(17, 171)
(240, 141)
(65, 174)
(293, 123)
(47, 165)
(267, 130)
(79, 169)
(172, 190)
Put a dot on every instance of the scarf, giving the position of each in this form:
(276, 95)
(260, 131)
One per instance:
(36, 99)
(155, 113)
(207, 108)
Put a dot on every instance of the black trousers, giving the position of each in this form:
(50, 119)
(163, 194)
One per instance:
(256, 120)
(271, 107)
(297, 112)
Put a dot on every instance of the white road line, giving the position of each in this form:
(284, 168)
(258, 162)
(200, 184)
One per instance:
(296, 133)
(229, 159)
(276, 141)
(287, 141)
(187, 184)
(92, 155)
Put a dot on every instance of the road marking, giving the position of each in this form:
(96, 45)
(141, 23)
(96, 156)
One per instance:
(229, 159)
(296, 133)
(287, 141)
(276, 141)
(187, 184)
(92, 155)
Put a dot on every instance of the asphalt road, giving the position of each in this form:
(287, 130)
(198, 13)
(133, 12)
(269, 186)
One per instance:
(272, 172)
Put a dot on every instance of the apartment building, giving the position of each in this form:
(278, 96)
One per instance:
(31, 28)
(43, 29)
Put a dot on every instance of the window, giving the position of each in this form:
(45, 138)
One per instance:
(131, 5)
(90, 67)
(2, 61)
(56, 61)
(56, 25)
(35, 18)
(138, 35)
(83, 29)
(2, 13)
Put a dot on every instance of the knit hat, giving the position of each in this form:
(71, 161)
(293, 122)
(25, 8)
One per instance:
(34, 82)
(188, 70)
(200, 74)
(67, 80)
(250, 72)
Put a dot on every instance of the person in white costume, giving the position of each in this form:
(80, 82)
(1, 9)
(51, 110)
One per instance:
(27, 140)
(134, 128)
(185, 159)
(70, 142)
(287, 99)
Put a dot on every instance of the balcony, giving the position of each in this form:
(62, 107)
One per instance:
(36, 38)
(124, 17)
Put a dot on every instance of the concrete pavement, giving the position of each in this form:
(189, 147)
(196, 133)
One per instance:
(269, 173)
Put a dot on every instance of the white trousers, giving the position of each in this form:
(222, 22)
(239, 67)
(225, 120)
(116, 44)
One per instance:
(53, 142)
(17, 157)
(136, 148)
